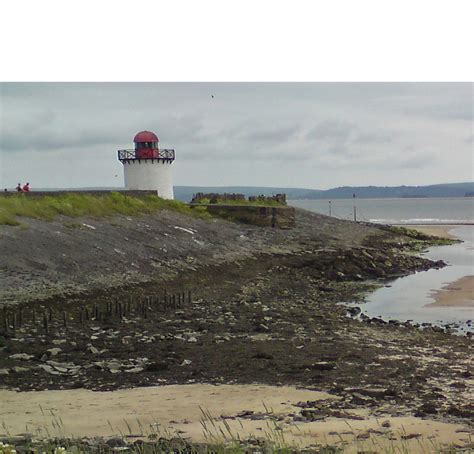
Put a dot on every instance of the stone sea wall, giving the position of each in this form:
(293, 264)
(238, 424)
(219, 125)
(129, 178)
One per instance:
(278, 217)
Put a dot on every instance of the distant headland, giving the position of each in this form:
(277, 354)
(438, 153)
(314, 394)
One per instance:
(185, 193)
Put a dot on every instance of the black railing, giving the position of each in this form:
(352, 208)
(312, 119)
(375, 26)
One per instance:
(130, 155)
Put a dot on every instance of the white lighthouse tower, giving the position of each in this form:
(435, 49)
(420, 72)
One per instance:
(147, 167)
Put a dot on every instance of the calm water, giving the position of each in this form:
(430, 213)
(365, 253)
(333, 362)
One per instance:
(408, 298)
(396, 211)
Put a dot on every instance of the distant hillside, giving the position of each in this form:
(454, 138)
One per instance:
(185, 193)
(368, 192)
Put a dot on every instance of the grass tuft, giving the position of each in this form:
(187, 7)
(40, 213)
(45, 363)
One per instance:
(239, 202)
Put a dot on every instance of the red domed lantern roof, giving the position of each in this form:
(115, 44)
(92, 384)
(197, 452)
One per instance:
(145, 136)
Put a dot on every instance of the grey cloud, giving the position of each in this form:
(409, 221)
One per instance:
(376, 138)
(51, 140)
(244, 130)
(332, 129)
(272, 135)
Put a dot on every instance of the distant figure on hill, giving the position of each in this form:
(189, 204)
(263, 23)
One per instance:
(26, 188)
(18, 188)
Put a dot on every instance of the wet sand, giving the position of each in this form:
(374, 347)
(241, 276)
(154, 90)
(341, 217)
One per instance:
(441, 231)
(459, 293)
(178, 410)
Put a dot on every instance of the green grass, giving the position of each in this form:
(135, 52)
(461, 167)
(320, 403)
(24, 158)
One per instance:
(84, 205)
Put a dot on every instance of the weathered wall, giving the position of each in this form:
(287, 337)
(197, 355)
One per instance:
(279, 217)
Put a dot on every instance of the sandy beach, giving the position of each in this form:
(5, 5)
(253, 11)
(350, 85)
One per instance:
(458, 293)
(179, 410)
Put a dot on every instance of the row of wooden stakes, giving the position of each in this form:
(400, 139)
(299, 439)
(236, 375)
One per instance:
(136, 306)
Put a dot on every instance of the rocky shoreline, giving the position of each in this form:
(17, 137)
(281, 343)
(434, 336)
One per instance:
(251, 305)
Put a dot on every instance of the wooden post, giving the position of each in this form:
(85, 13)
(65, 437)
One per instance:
(20, 317)
(355, 210)
(87, 313)
(45, 323)
(50, 314)
(5, 318)
(64, 319)
(189, 297)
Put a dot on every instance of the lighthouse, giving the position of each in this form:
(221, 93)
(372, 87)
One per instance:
(147, 167)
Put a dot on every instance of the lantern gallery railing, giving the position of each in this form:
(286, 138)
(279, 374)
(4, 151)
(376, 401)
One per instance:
(130, 155)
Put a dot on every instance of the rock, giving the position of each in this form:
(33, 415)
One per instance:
(322, 365)
(378, 320)
(156, 367)
(374, 392)
(4, 372)
(462, 412)
(59, 341)
(115, 442)
(313, 415)
(21, 356)
(244, 414)
(262, 355)
(359, 399)
(410, 436)
(353, 311)
(93, 350)
(135, 370)
(363, 436)
(49, 369)
(54, 351)
(186, 362)
(426, 409)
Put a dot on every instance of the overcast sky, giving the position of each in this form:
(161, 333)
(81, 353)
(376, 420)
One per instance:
(311, 135)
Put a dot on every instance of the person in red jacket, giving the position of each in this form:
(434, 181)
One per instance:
(26, 187)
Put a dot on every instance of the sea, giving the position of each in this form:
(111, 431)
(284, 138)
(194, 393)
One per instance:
(458, 210)
(410, 298)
